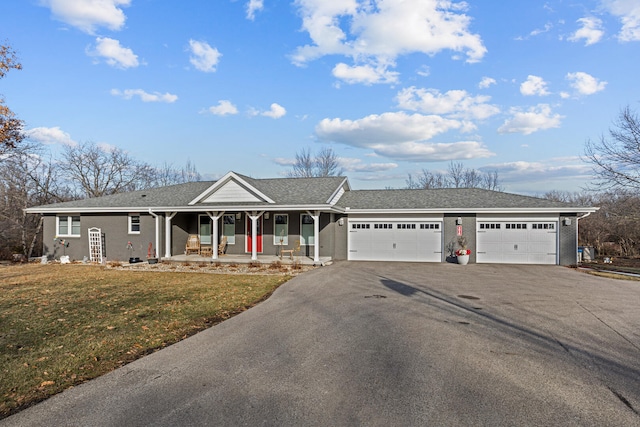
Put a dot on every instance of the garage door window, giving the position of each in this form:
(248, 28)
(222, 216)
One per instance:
(549, 226)
(406, 226)
(429, 226)
(486, 226)
(382, 226)
(361, 226)
(516, 226)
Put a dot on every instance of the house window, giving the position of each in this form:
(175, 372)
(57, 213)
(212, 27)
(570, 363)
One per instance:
(229, 228)
(68, 226)
(306, 230)
(205, 229)
(134, 224)
(281, 229)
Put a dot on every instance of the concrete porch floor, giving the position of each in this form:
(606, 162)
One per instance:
(246, 259)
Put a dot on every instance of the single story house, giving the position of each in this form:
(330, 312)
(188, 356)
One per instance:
(258, 217)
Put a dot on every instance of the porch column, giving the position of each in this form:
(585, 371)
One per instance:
(215, 216)
(167, 233)
(157, 218)
(254, 233)
(316, 234)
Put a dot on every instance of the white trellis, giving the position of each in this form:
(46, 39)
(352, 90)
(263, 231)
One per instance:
(96, 245)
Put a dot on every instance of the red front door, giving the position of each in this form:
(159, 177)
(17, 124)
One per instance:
(259, 235)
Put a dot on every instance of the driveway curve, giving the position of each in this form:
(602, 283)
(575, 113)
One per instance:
(380, 344)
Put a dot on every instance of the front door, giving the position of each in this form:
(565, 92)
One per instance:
(249, 237)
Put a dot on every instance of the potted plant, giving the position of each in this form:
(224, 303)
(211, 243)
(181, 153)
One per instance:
(462, 253)
(151, 255)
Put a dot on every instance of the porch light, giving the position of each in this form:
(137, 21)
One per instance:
(239, 216)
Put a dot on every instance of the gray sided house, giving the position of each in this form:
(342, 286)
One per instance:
(329, 220)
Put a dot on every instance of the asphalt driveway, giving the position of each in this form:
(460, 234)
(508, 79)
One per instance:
(383, 344)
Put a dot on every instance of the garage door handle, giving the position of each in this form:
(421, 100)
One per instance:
(515, 247)
(394, 246)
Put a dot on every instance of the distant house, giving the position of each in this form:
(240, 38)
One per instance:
(258, 217)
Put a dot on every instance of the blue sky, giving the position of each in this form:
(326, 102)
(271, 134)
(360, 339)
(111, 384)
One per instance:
(392, 86)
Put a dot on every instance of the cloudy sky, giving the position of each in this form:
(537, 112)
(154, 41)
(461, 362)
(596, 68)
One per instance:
(392, 86)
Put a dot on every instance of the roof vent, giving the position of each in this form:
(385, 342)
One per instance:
(144, 195)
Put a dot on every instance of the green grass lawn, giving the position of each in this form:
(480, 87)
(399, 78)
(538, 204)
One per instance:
(61, 325)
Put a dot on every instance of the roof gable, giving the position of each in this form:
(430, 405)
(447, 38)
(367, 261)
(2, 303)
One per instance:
(231, 188)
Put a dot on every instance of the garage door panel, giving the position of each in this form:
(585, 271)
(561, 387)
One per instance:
(395, 241)
(516, 242)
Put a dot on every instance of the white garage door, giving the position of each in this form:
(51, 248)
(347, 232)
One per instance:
(517, 242)
(395, 240)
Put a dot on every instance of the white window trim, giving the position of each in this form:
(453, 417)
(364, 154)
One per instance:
(69, 226)
(276, 236)
(203, 219)
(303, 241)
(235, 223)
(129, 222)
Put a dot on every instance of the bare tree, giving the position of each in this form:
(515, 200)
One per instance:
(616, 158)
(457, 176)
(10, 126)
(306, 165)
(99, 172)
(26, 179)
(167, 174)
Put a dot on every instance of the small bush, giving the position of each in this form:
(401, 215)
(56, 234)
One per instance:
(254, 264)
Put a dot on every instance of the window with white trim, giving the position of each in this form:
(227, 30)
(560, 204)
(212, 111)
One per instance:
(204, 228)
(68, 226)
(306, 230)
(134, 224)
(229, 228)
(281, 229)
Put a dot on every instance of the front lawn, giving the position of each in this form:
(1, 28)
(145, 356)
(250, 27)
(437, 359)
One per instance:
(61, 325)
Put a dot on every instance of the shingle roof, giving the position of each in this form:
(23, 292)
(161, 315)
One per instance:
(444, 198)
(284, 191)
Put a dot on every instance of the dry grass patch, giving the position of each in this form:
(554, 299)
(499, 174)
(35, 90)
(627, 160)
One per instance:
(61, 325)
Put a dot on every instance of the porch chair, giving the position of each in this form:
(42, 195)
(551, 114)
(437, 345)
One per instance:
(222, 246)
(295, 249)
(193, 244)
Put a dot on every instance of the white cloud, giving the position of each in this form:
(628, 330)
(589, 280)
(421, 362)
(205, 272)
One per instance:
(53, 135)
(88, 15)
(203, 57)
(223, 108)
(114, 54)
(275, 112)
(486, 82)
(378, 32)
(145, 96)
(534, 85)
(585, 84)
(254, 6)
(527, 122)
(401, 136)
(456, 103)
(351, 164)
(364, 74)
(629, 13)
(591, 31)
(522, 171)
